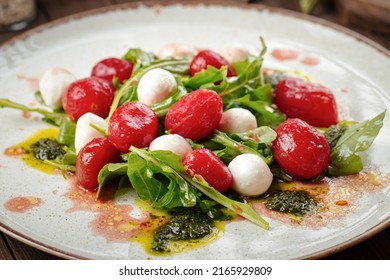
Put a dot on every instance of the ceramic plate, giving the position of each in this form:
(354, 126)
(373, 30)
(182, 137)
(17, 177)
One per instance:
(353, 67)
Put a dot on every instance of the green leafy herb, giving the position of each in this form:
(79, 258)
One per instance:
(154, 176)
(139, 58)
(66, 132)
(357, 138)
(161, 108)
(254, 143)
(142, 176)
(206, 77)
(109, 172)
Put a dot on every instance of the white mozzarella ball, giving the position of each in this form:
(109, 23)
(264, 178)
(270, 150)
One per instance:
(156, 85)
(174, 49)
(53, 85)
(171, 142)
(85, 132)
(236, 120)
(251, 175)
(234, 52)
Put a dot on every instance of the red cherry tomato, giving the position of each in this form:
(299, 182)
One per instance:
(313, 103)
(204, 162)
(196, 115)
(91, 159)
(300, 150)
(208, 57)
(113, 67)
(91, 94)
(132, 124)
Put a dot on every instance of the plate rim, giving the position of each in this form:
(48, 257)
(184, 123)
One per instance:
(217, 3)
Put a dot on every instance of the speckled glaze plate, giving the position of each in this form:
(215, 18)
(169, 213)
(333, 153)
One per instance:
(355, 69)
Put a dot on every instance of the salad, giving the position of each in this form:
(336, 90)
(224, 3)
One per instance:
(198, 135)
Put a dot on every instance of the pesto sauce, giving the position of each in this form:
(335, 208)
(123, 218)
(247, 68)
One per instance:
(47, 149)
(186, 224)
(294, 202)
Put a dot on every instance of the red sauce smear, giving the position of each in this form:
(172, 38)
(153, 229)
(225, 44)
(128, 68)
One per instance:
(22, 204)
(336, 198)
(26, 114)
(14, 151)
(112, 221)
(282, 55)
(310, 60)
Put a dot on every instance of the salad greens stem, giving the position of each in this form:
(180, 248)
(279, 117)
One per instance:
(99, 129)
(62, 167)
(223, 139)
(51, 117)
(6, 103)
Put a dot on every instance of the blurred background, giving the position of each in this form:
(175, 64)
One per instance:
(368, 17)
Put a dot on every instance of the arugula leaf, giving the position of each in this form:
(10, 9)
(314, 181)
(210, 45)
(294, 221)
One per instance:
(169, 164)
(161, 108)
(266, 113)
(139, 58)
(153, 176)
(109, 172)
(232, 148)
(357, 138)
(240, 208)
(262, 134)
(207, 76)
(66, 133)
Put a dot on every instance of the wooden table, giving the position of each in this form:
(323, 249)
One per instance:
(376, 247)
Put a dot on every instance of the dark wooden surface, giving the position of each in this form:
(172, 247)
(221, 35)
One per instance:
(374, 248)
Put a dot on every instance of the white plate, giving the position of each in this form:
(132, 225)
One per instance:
(346, 61)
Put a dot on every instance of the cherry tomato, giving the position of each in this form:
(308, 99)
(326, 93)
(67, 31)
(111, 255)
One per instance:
(204, 162)
(300, 150)
(196, 115)
(132, 124)
(91, 159)
(208, 57)
(91, 94)
(313, 103)
(113, 67)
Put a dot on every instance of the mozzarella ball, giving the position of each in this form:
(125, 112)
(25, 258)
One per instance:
(237, 120)
(174, 49)
(251, 175)
(171, 142)
(234, 52)
(85, 132)
(53, 85)
(156, 85)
